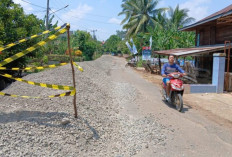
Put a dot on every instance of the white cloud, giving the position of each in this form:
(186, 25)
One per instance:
(26, 6)
(77, 14)
(114, 21)
(198, 9)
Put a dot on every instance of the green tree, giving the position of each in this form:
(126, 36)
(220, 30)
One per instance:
(121, 47)
(15, 25)
(86, 44)
(121, 34)
(179, 17)
(111, 44)
(50, 25)
(171, 38)
(162, 20)
(138, 15)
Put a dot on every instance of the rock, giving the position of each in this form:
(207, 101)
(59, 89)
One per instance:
(65, 121)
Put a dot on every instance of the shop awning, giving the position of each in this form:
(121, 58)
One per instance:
(191, 51)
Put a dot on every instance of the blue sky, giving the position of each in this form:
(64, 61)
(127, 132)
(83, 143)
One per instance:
(102, 15)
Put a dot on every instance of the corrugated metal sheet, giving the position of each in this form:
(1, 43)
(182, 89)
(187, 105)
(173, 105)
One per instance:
(191, 51)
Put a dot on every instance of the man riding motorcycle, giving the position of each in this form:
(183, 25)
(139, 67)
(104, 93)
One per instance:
(168, 68)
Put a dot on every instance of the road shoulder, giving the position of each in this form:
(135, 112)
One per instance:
(216, 107)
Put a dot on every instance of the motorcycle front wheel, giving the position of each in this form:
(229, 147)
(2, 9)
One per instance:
(179, 102)
(163, 93)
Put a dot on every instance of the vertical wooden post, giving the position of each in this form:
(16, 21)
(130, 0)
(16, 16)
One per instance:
(177, 60)
(228, 70)
(73, 73)
(159, 65)
(228, 65)
(184, 63)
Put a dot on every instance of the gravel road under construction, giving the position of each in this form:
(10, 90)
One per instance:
(120, 114)
(36, 127)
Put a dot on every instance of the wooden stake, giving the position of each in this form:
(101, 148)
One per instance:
(228, 65)
(73, 73)
(159, 65)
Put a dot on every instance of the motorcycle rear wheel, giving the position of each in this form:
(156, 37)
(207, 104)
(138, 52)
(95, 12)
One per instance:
(179, 102)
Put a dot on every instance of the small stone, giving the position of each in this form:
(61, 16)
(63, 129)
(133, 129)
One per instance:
(65, 121)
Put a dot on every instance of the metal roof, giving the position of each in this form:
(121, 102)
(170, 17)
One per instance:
(224, 12)
(191, 51)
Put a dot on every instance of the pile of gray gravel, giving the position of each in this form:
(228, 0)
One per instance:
(46, 127)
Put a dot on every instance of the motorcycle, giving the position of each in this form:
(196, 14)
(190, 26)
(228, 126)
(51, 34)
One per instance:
(176, 90)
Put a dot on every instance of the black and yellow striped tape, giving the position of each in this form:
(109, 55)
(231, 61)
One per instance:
(30, 49)
(31, 37)
(42, 67)
(45, 85)
(32, 68)
(53, 86)
(78, 67)
(70, 93)
(71, 89)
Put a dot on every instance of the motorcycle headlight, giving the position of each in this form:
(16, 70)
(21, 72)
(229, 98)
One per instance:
(176, 76)
(177, 88)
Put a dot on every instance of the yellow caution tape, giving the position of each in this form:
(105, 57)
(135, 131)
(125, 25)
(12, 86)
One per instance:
(45, 85)
(32, 68)
(42, 67)
(70, 93)
(30, 49)
(53, 86)
(31, 37)
(78, 67)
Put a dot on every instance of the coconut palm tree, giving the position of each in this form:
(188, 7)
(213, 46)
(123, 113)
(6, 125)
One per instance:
(138, 15)
(162, 20)
(179, 17)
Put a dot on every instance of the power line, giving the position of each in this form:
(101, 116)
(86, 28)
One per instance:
(67, 9)
(94, 36)
(58, 6)
(94, 20)
(34, 4)
(85, 13)
(58, 1)
(61, 8)
(94, 14)
(70, 11)
(57, 16)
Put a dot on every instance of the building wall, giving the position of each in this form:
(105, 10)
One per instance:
(214, 34)
(204, 36)
(223, 33)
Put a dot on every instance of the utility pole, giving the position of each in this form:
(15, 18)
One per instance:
(94, 36)
(47, 18)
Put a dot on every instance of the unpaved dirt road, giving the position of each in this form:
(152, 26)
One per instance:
(120, 114)
(193, 133)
